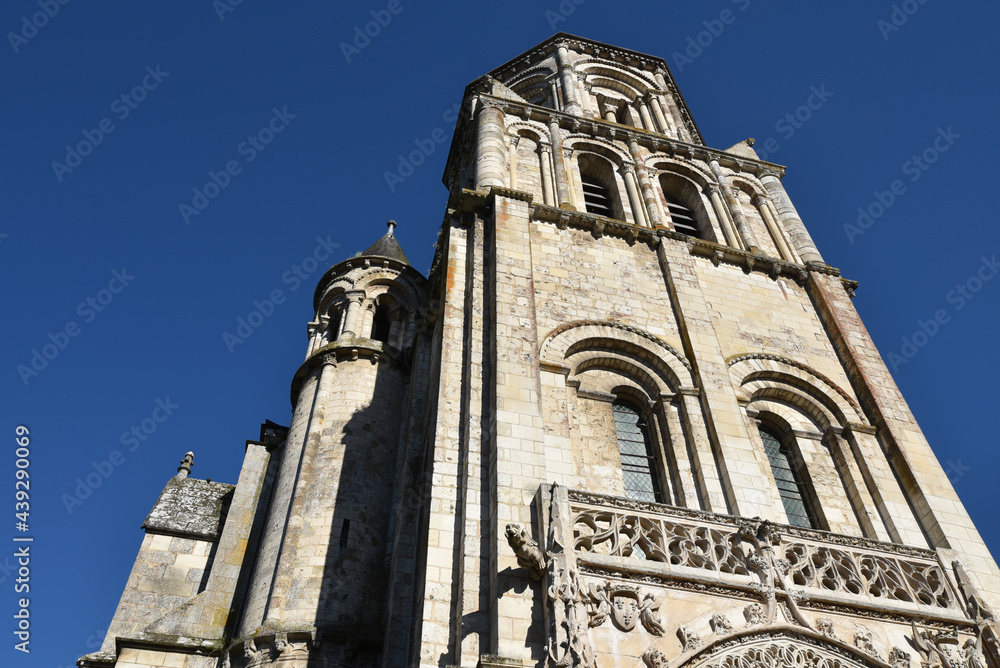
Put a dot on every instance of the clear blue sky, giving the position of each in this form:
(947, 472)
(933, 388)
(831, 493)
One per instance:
(211, 83)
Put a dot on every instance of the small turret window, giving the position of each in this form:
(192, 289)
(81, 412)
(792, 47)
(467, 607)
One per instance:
(381, 324)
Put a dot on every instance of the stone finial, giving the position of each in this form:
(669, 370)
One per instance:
(751, 141)
(185, 468)
(391, 224)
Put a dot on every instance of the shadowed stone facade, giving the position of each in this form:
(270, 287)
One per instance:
(631, 418)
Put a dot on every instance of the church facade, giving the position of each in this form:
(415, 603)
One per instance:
(631, 418)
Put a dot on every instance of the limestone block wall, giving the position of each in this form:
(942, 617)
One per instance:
(168, 572)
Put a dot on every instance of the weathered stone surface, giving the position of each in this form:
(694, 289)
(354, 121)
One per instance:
(190, 507)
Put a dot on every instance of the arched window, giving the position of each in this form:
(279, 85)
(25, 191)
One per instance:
(381, 323)
(639, 470)
(333, 329)
(683, 218)
(793, 487)
(600, 187)
(596, 196)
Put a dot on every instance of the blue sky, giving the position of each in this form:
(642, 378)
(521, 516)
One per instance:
(135, 293)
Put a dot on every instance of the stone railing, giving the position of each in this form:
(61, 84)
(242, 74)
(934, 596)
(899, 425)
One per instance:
(649, 537)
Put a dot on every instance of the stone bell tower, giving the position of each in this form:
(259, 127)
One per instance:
(631, 419)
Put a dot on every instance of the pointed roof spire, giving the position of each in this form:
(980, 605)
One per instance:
(387, 246)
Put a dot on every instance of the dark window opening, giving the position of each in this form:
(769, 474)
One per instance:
(380, 324)
(334, 329)
(344, 530)
(792, 486)
(683, 219)
(596, 196)
(638, 463)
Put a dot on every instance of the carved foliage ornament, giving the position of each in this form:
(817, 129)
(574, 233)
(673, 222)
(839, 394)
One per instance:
(779, 655)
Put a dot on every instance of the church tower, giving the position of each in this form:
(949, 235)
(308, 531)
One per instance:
(632, 418)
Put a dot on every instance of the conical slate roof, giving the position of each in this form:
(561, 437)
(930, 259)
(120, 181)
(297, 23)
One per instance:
(387, 246)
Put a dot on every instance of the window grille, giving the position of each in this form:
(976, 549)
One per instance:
(684, 220)
(596, 196)
(638, 464)
(791, 485)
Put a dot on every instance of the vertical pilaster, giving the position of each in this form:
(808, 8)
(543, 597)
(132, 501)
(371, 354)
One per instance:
(517, 429)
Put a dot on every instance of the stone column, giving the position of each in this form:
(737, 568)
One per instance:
(545, 164)
(648, 195)
(491, 158)
(702, 456)
(801, 240)
(352, 320)
(571, 98)
(646, 118)
(854, 483)
(628, 172)
(773, 228)
(676, 451)
(734, 207)
(665, 127)
(732, 238)
(563, 198)
(777, 219)
(512, 151)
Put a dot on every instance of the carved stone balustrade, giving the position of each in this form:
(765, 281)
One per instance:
(676, 547)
